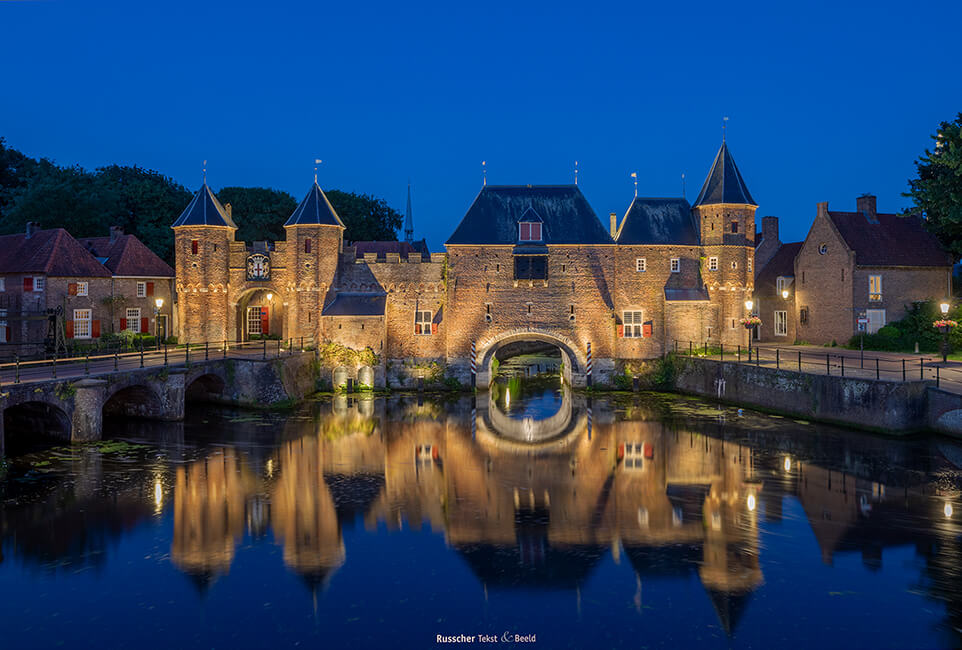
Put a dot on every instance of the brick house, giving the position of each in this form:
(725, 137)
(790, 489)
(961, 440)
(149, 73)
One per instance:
(525, 263)
(851, 265)
(52, 286)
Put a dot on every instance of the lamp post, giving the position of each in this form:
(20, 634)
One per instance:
(749, 325)
(158, 304)
(944, 326)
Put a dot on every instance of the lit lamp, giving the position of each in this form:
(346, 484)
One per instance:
(785, 294)
(158, 304)
(945, 326)
(749, 322)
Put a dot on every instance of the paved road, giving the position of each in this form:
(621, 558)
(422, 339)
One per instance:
(40, 371)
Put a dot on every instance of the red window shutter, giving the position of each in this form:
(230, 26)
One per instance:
(7, 339)
(72, 289)
(150, 288)
(525, 232)
(144, 326)
(621, 331)
(265, 321)
(123, 324)
(417, 328)
(646, 330)
(27, 284)
(307, 245)
(95, 329)
(434, 328)
(193, 246)
(69, 328)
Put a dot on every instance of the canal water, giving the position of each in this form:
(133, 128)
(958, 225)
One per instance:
(606, 522)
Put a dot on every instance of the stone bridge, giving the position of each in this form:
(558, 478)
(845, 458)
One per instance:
(73, 409)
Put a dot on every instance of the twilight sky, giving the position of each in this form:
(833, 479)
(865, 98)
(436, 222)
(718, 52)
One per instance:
(826, 100)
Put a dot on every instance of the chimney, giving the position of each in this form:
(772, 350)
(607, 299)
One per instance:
(31, 228)
(613, 219)
(866, 204)
(230, 212)
(770, 229)
(823, 209)
(115, 232)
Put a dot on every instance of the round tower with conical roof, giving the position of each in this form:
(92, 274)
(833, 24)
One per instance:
(726, 214)
(202, 237)
(315, 238)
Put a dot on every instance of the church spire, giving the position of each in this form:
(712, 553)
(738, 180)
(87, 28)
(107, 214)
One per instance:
(409, 219)
(724, 183)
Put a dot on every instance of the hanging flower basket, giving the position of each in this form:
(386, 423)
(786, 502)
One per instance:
(944, 325)
(751, 321)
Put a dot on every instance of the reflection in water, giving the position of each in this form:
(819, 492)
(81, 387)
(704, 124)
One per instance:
(528, 502)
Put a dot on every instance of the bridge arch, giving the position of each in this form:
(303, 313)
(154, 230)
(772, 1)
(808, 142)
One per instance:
(133, 400)
(35, 417)
(206, 387)
(573, 357)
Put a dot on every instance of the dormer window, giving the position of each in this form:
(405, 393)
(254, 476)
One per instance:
(529, 231)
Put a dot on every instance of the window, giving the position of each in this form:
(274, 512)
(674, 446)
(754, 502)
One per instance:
(254, 322)
(876, 320)
(571, 313)
(634, 456)
(712, 264)
(487, 312)
(531, 267)
(675, 265)
(803, 315)
(422, 321)
(822, 249)
(781, 283)
(633, 324)
(875, 288)
(133, 319)
(4, 329)
(3, 284)
(734, 265)
(81, 323)
(529, 231)
(781, 323)
(307, 245)
(641, 265)
(141, 289)
(193, 246)
(735, 227)
(749, 265)
(83, 288)
(39, 282)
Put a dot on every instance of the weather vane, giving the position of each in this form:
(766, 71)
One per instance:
(724, 127)
(484, 173)
(317, 161)
(205, 172)
(634, 175)
(576, 172)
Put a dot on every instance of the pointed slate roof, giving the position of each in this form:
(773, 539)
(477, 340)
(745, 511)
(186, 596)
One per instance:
(494, 215)
(724, 183)
(204, 210)
(315, 210)
(658, 221)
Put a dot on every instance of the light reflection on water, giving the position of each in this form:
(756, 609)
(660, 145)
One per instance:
(670, 522)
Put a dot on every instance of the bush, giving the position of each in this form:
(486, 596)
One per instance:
(623, 382)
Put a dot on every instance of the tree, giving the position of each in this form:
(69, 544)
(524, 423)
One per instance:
(366, 218)
(259, 212)
(937, 190)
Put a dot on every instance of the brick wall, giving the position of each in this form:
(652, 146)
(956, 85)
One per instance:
(901, 286)
(823, 284)
(202, 282)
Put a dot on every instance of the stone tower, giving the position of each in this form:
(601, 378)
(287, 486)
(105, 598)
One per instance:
(202, 237)
(726, 214)
(315, 238)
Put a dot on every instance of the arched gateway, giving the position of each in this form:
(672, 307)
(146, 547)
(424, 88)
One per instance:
(572, 355)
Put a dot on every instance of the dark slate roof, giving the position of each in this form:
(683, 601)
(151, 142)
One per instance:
(126, 255)
(782, 264)
(724, 183)
(700, 293)
(494, 215)
(658, 221)
(315, 210)
(52, 252)
(891, 241)
(356, 304)
(204, 210)
(402, 248)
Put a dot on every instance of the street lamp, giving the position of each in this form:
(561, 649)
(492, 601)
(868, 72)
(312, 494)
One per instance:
(944, 326)
(157, 306)
(748, 325)
(785, 294)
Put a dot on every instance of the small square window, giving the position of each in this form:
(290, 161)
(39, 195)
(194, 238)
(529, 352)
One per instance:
(83, 288)
(712, 263)
(39, 283)
(641, 265)
(529, 231)
(422, 321)
(734, 265)
(193, 246)
(141, 289)
(675, 265)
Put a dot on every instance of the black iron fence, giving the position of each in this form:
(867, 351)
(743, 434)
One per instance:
(834, 361)
(157, 355)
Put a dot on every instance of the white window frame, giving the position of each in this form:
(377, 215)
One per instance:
(3, 326)
(83, 322)
(633, 321)
(39, 283)
(641, 265)
(675, 265)
(634, 459)
(780, 323)
(712, 263)
(254, 325)
(135, 318)
(868, 328)
(781, 283)
(141, 289)
(83, 288)
(531, 225)
(3, 284)
(422, 322)
(875, 292)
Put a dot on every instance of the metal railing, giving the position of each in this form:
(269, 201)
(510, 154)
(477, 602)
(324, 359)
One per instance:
(161, 355)
(840, 362)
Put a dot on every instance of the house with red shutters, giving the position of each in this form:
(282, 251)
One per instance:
(55, 287)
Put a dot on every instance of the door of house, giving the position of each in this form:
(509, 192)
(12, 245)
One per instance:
(258, 321)
(876, 320)
(162, 326)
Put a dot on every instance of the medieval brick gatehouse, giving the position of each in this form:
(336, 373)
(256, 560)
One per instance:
(525, 263)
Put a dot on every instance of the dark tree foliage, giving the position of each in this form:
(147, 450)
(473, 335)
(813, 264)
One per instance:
(259, 212)
(366, 218)
(938, 188)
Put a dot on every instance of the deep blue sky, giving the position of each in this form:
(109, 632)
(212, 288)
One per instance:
(826, 100)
